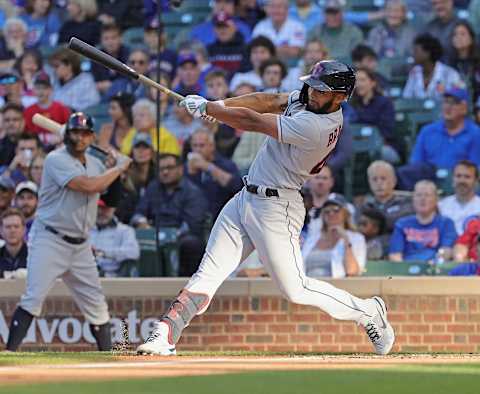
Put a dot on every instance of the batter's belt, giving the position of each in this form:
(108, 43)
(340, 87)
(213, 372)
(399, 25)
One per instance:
(66, 238)
(268, 191)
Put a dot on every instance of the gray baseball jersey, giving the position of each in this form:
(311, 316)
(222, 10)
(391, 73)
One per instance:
(305, 140)
(70, 212)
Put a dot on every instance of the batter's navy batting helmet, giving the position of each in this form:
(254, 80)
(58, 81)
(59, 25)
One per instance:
(329, 76)
(79, 121)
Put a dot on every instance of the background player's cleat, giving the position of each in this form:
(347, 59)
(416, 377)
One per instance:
(157, 343)
(378, 328)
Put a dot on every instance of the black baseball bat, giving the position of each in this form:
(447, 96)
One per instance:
(109, 61)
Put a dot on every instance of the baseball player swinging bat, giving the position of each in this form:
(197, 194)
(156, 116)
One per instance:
(114, 64)
(58, 129)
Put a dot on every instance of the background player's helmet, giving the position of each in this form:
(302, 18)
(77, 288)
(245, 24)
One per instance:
(77, 121)
(328, 76)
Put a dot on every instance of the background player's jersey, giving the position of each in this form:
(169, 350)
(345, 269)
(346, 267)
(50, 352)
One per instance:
(305, 140)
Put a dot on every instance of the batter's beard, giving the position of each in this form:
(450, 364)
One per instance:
(324, 109)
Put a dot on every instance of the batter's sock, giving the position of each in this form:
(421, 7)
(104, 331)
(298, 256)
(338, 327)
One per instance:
(21, 320)
(103, 336)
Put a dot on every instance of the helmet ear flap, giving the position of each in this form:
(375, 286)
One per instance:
(304, 94)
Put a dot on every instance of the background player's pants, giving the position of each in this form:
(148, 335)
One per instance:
(271, 225)
(49, 258)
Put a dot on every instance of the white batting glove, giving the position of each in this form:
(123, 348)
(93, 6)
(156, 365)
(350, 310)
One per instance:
(196, 106)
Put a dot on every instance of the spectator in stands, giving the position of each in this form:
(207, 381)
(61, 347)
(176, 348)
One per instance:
(181, 123)
(111, 43)
(464, 204)
(13, 255)
(474, 13)
(142, 169)
(228, 50)
(7, 192)
(272, 71)
(201, 55)
(173, 200)
(152, 34)
(113, 243)
(259, 50)
(28, 147)
(120, 111)
(422, 235)
(217, 85)
(12, 85)
(315, 51)
(306, 12)
(429, 78)
(36, 170)
(464, 56)
(365, 57)
(189, 75)
(12, 42)
(442, 144)
(287, 34)
(337, 250)
(123, 13)
(249, 11)
(139, 60)
(467, 246)
(205, 32)
(43, 23)
(217, 176)
(70, 80)
(443, 23)
(382, 182)
(393, 38)
(144, 121)
(27, 65)
(13, 127)
(372, 225)
(368, 105)
(47, 107)
(339, 36)
(81, 22)
(26, 200)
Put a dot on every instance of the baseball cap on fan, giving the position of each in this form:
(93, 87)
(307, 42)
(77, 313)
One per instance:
(144, 139)
(27, 185)
(185, 58)
(42, 78)
(334, 5)
(9, 77)
(153, 24)
(335, 199)
(6, 183)
(458, 93)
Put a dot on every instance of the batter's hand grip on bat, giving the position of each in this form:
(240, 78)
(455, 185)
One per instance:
(101, 57)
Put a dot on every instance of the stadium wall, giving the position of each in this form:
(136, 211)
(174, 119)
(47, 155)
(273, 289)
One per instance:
(429, 314)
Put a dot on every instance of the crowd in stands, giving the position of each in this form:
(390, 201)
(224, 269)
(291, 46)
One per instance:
(417, 93)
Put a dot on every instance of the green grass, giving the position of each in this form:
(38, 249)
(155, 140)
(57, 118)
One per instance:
(435, 379)
(44, 358)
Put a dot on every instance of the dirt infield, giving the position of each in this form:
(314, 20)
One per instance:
(142, 367)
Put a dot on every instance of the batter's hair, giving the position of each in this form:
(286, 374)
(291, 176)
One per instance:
(12, 212)
(468, 164)
(431, 45)
(273, 62)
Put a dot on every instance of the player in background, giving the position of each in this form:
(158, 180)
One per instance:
(268, 213)
(58, 245)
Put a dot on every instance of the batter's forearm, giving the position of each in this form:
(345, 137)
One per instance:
(260, 102)
(95, 184)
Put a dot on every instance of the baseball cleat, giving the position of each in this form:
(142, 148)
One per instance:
(378, 328)
(157, 343)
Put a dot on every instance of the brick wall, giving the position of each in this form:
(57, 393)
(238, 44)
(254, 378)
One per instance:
(267, 322)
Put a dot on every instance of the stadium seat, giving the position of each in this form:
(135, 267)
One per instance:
(133, 37)
(367, 143)
(100, 115)
(390, 268)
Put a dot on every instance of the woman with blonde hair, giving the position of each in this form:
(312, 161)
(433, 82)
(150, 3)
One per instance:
(81, 22)
(334, 248)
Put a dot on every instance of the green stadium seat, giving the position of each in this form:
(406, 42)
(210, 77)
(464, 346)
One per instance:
(367, 143)
(100, 115)
(152, 264)
(133, 37)
(390, 268)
